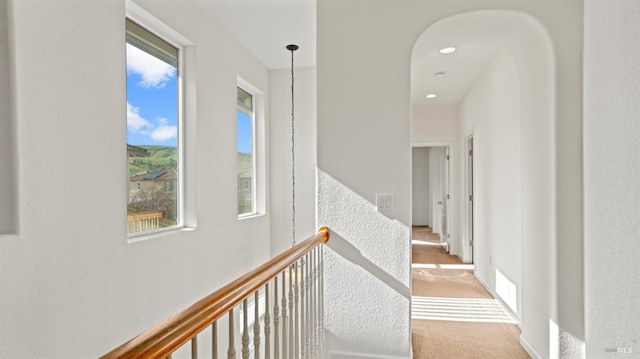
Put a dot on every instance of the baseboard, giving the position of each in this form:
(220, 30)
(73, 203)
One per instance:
(339, 354)
(504, 305)
(529, 348)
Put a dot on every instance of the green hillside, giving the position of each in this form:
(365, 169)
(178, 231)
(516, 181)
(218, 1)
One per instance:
(160, 157)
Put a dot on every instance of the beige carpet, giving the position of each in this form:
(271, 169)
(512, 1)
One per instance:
(453, 316)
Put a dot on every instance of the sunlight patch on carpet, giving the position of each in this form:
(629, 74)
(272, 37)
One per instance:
(442, 266)
(479, 310)
(425, 243)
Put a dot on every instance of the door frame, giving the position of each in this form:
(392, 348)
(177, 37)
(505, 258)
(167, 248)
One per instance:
(451, 245)
(468, 228)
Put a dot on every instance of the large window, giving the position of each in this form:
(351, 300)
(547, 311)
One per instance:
(153, 132)
(246, 154)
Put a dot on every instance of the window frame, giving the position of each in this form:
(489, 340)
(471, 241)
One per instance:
(252, 183)
(186, 122)
(258, 124)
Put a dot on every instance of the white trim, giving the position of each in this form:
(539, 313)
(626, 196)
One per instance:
(495, 296)
(258, 183)
(136, 13)
(9, 197)
(467, 249)
(364, 355)
(528, 348)
(433, 144)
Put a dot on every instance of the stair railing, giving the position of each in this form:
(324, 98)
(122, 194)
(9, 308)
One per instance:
(285, 295)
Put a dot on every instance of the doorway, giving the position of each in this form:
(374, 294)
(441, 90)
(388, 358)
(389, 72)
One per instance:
(432, 208)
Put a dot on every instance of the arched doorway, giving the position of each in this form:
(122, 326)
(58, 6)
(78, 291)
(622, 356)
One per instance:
(509, 109)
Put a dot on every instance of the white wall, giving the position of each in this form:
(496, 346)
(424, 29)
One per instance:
(612, 169)
(420, 187)
(8, 205)
(280, 161)
(363, 136)
(433, 123)
(492, 106)
(72, 286)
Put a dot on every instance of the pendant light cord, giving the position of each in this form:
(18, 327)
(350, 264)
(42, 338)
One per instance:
(293, 48)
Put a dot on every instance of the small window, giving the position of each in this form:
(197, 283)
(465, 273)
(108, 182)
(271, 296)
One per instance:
(153, 123)
(246, 154)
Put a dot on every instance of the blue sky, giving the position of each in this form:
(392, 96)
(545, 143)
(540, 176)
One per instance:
(152, 113)
(244, 132)
(152, 90)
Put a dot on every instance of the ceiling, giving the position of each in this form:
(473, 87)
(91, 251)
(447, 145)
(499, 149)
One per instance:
(265, 27)
(460, 69)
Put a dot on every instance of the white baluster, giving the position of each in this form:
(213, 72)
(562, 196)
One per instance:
(291, 326)
(314, 287)
(245, 331)
(307, 330)
(214, 340)
(194, 347)
(276, 321)
(267, 323)
(321, 301)
(296, 296)
(285, 335)
(303, 323)
(231, 352)
(316, 312)
(256, 325)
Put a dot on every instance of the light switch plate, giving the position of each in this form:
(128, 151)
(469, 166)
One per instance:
(384, 202)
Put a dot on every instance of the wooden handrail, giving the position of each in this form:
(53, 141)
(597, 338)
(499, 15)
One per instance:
(168, 335)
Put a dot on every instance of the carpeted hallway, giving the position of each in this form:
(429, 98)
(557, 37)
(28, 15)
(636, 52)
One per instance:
(453, 316)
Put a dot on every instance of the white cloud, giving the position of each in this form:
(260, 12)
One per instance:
(135, 122)
(154, 72)
(164, 132)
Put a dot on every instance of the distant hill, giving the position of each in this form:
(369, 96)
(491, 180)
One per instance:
(160, 157)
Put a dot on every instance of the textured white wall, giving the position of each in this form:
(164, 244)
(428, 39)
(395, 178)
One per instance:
(72, 286)
(8, 205)
(280, 155)
(612, 169)
(492, 105)
(420, 187)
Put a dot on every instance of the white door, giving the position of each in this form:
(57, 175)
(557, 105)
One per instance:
(444, 185)
(470, 214)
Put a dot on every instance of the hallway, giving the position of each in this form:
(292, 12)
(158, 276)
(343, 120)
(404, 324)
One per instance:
(453, 316)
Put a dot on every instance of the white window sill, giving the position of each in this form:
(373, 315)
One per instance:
(250, 216)
(158, 234)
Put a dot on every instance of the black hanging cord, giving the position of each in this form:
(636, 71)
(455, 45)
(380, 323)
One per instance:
(293, 48)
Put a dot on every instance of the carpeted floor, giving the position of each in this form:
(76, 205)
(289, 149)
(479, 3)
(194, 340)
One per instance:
(453, 316)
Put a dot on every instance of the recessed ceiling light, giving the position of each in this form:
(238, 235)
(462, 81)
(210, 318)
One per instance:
(432, 95)
(439, 75)
(447, 50)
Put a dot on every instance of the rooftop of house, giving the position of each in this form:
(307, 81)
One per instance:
(161, 175)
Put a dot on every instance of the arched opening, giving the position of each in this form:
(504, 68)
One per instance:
(498, 87)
